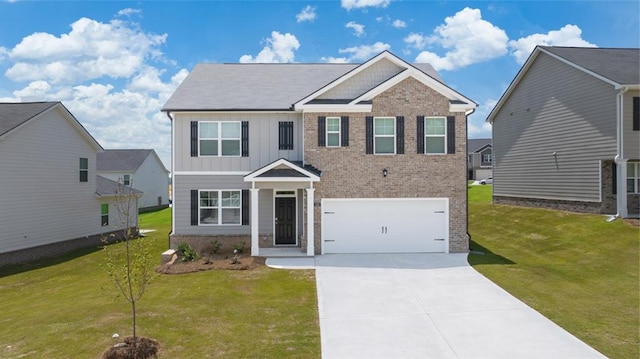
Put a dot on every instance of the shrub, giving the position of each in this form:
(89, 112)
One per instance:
(239, 247)
(187, 252)
(215, 246)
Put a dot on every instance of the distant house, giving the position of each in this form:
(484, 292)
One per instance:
(480, 158)
(51, 200)
(566, 132)
(141, 169)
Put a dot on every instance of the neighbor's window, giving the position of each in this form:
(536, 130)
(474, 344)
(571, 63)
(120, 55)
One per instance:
(127, 180)
(435, 135)
(633, 177)
(220, 207)
(104, 214)
(219, 138)
(84, 169)
(384, 135)
(333, 131)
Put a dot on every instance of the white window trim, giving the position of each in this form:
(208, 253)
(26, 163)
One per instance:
(102, 215)
(327, 132)
(220, 138)
(395, 131)
(126, 180)
(484, 157)
(635, 176)
(219, 207)
(426, 136)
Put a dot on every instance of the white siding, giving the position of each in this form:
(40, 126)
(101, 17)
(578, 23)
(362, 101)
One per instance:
(555, 108)
(42, 200)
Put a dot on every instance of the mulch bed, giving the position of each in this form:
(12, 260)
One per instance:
(221, 261)
(146, 348)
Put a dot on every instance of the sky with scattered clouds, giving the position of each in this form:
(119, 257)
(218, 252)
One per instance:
(114, 64)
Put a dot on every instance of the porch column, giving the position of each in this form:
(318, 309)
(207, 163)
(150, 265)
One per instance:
(255, 248)
(310, 222)
(621, 196)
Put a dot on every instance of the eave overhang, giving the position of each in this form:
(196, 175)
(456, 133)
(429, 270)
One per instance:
(259, 174)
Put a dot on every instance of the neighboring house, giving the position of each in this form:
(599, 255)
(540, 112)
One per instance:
(480, 161)
(328, 158)
(141, 169)
(51, 200)
(566, 132)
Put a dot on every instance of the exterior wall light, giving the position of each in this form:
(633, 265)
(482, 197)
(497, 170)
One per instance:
(385, 172)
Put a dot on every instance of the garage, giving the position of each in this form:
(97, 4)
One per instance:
(385, 225)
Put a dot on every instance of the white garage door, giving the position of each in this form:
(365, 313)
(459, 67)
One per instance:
(398, 225)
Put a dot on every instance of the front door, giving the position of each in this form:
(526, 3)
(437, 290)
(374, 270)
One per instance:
(285, 220)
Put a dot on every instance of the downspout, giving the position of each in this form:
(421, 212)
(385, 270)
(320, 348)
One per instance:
(466, 172)
(619, 158)
(173, 185)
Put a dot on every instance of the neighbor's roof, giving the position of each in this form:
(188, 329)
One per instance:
(618, 65)
(475, 144)
(257, 86)
(121, 160)
(107, 187)
(13, 115)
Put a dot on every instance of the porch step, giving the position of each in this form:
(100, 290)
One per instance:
(282, 252)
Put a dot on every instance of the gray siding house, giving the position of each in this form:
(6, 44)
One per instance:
(141, 169)
(566, 132)
(51, 199)
(320, 158)
(480, 163)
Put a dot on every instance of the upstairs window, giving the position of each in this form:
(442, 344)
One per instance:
(435, 135)
(333, 132)
(285, 135)
(219, 138)
(384, 135)
(104, 214)
(127, 180)
(84, 169)
(486, 158)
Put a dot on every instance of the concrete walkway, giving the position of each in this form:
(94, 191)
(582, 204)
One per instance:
(428, 306)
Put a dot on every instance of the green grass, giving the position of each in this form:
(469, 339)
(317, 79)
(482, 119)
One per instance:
(68, 308)
(576, 269)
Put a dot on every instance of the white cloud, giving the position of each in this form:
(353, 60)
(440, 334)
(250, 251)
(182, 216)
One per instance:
(335, 60)
(279, 48)
(307, 14)
(569, 35)
(129, 12)
(469, 39)
(478, 127)
(399, 24)
(415, 40)
(363, 52)
(36, 91)
(3, 53)
(89, 51)
(358, 29)
(359, 4)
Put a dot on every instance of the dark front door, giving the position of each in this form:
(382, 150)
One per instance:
(285, 220)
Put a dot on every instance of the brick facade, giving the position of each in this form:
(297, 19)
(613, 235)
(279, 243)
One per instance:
(347, 172)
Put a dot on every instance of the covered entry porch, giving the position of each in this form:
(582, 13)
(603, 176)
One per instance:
(286, 211)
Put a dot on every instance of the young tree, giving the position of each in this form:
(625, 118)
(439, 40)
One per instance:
(129, 265)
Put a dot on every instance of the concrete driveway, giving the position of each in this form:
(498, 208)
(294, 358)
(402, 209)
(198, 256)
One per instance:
(428, 306)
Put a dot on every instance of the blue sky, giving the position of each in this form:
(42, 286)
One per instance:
(114, 64)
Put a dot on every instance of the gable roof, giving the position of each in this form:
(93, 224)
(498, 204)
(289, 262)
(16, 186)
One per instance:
(477, 144)
(128, 160)
(14, 115)
(283, 170)
(256, 87)
(619, 67)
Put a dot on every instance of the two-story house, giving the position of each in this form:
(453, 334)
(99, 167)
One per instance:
(51, 199)
(480, 158)
(328, 158)
(566, 132)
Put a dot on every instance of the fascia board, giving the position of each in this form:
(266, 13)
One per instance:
(336, 108)
(253, 176)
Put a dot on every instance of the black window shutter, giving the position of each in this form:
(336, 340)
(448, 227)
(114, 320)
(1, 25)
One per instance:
(194, 138)
(344, 131)
(285, 135)
(614, 178)
(636, 113)
(400, 135)
(245, 138)
(322, 133)
(369, 134)
(451, 134)
(420, 134)
(194, 207)
(245, 207)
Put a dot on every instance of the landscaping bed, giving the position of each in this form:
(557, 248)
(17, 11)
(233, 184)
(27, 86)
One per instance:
(214, 261)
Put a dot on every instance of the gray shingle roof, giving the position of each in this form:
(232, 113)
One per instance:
(121, 160)
(257, 86)
(619, 65)
(477, 143)
(107, 187)
(13, 115)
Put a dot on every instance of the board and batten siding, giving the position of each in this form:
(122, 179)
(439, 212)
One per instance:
(631, 139)
(263, 141)
(42, 200)
(558, 109)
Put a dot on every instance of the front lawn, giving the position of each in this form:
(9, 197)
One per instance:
(576, 269)
(67, 308)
